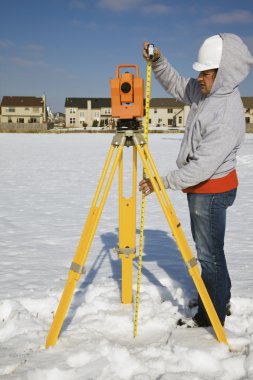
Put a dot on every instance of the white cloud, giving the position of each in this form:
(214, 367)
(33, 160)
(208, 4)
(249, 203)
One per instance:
(27, 62)
(33, 47)
(33, 50)
(144, 6)
(5, 44)
(156, 9)
(121, 5)
(236, 16)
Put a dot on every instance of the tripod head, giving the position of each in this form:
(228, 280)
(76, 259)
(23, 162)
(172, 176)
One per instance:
(127, 97)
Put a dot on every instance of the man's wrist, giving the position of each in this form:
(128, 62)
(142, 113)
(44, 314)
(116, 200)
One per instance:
(165, 182)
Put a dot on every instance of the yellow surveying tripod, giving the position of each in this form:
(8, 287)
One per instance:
(127, 105)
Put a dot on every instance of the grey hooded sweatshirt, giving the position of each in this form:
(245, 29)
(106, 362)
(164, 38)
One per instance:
(215, 125)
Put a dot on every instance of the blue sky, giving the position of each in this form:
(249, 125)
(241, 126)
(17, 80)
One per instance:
(70, 48)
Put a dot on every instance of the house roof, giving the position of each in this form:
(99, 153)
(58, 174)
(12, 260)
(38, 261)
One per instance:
(82, 102)
(166, 103)
(247, 101)
(21, 101)
(106, 102)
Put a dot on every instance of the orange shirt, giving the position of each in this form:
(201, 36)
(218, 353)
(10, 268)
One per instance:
(217, 185)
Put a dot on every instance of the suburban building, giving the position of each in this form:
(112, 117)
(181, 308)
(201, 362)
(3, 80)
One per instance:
(24, 112)
(59, 118)
(248, 109)
(82, 112)
(164, 112)
(167, 112)
(29, 112)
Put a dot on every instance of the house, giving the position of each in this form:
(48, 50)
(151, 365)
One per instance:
(82, 112)
(248, 108)
(167, 112)
(59, 118)
(164, 112)
(23, 112)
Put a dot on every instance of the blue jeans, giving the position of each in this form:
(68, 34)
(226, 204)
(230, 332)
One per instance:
(208, 224)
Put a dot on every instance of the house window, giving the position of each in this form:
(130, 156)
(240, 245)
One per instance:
(247, 120)
(82, 115)
(97, 114)
(160, 121)
(9, 120)
(33, 120)
(72, 120)
(170, 121)
(155, 110)
(108, 111)
(170, 110)
(21, 120)
(27, 108)
(180, 119)
(72, 110)
(10, 109)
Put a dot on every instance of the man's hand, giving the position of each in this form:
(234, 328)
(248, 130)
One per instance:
(145, 52)
(145, 186)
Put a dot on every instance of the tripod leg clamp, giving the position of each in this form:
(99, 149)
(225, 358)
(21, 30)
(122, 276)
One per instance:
(127, 252)
(191, 263)
(77, 268)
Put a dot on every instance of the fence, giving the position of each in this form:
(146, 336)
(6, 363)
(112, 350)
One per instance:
(23, 127)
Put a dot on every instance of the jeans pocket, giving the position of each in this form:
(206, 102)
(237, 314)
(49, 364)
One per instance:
(224, 200)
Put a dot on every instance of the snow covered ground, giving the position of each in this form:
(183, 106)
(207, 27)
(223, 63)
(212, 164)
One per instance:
(47, 186)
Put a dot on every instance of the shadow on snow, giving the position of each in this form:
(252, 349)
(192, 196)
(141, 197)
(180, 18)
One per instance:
(159, 247)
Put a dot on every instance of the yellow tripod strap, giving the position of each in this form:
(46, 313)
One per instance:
(147, 106)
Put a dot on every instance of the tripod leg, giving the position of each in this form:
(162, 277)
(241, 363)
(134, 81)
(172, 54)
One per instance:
(76, 268)
(180, 238)
(127, 231)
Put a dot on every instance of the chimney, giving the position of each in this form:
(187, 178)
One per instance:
(44, 108)
(89, 118)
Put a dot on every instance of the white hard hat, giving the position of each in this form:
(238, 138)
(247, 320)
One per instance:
(209, 56)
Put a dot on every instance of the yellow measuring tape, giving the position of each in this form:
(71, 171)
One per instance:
(147, 105)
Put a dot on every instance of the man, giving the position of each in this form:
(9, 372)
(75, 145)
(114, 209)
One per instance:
(207, 158)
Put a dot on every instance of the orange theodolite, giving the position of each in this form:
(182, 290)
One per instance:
(127, 98)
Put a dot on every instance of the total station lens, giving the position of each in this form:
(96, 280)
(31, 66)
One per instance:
(125, 87)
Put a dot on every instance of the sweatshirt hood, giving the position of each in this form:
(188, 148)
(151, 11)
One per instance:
(236, 62)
